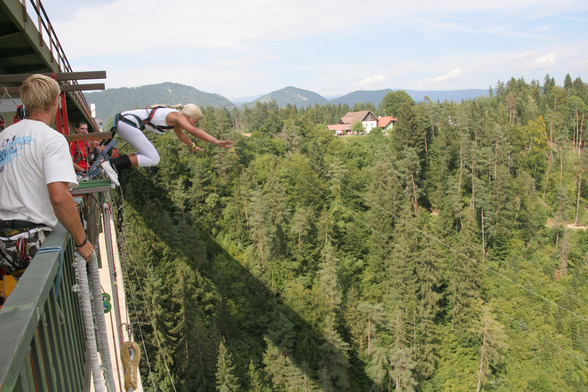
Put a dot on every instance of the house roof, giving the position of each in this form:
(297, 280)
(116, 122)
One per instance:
(339, 127)
(352, 117)
(384, 121)
(347, 121)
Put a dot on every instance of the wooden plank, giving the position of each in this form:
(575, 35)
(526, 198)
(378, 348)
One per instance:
(65, 87)
(80, 137)
(19, 78)
(82, 87)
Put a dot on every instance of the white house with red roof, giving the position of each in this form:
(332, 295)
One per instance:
(345, 126)
(386, 123)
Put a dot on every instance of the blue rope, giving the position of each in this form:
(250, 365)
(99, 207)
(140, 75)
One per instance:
(59, 249)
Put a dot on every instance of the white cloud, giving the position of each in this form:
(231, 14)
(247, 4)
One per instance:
(455, 73)
(241, 48)
(579, 63)
(547, 60)
(132, 26)
(527, 54)
(373, 81)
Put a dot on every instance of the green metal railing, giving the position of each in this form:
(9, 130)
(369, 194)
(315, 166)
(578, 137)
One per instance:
(43, 340)
(43, 343)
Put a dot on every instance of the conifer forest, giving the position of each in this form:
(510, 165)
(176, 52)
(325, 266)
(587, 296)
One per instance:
(450, 254)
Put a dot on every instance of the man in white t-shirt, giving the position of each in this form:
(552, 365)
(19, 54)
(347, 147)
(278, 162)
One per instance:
(36, 175)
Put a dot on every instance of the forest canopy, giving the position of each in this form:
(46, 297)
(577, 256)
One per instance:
(448, 255)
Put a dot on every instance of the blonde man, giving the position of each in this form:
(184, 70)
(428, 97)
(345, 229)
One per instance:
(131, 124)
(36, 174)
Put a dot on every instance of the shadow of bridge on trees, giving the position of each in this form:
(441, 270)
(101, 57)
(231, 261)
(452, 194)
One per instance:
(267, 315)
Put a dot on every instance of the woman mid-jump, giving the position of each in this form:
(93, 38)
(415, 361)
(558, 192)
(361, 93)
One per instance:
(131, 124)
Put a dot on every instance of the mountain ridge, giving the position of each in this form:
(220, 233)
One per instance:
(111, 101)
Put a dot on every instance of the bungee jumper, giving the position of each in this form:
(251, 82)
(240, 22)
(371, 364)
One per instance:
(129, 125)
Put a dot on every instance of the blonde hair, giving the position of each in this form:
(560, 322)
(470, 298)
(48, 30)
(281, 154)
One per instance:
(192, 111)
(189, 109)
(38, 93)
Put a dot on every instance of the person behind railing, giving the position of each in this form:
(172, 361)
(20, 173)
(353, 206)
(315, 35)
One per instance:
(36, 174)
(129, 126)
(79, 150)
(96, 148)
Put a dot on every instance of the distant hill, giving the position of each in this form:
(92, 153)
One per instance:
(376, 96)
(302, 98)
(293, 96)
(115, 100)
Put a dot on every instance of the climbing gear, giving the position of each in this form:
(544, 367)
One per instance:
(79, 153)
(95, 169)
(20, 114)
(8, 228)
(19, 242)
(130, 356)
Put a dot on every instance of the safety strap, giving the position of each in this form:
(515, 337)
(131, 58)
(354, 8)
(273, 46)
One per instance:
(140, 123)
(160, 128)
(79, 155)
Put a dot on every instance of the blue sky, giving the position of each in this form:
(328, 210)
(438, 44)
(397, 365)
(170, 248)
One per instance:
(249, 48)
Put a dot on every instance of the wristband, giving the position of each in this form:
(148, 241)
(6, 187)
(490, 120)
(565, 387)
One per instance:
(193, 145)
(83, 243)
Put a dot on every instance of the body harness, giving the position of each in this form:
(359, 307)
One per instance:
(79, 154)
(142, 122)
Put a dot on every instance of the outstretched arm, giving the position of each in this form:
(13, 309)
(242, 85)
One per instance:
(177, 120)
(183, 137)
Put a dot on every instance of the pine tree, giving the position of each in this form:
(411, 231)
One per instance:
(162, 342)
(385, 199)
(256, 382)
(184, 316)
(401, 368)
(411, 132)
(427, 279)
(493, 345)
(225, 371)
(328, 278)
(334, 366)
(378, 368)
(465, 279)
(373, 315)
(300, 228)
